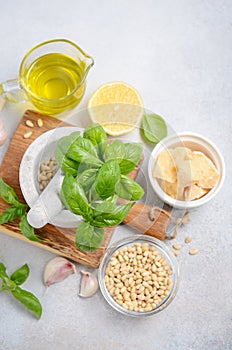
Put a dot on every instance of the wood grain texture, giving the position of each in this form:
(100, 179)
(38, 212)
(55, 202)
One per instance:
(60, 240)
(139, 219)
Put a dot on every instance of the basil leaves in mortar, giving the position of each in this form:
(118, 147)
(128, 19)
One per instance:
(95, 178)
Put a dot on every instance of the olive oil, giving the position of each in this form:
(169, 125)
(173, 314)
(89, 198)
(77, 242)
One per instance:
(56, 79)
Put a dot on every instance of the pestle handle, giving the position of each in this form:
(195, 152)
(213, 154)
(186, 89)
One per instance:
(48, 204)
(139, 218)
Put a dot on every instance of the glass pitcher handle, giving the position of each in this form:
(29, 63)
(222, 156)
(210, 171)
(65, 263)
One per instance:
(12, 91)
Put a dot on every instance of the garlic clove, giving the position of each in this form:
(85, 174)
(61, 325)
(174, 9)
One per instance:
(88, 285)
(57, 270)
(3, 133)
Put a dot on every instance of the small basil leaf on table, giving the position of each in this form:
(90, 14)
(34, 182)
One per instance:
(153, 128)
(20, 275)
(96, 134)
(127, 188)
(88, 237)
(73, 196)
(65, 142)
(115, 150)
(67, 165)
(133, 153)
(7, 193)
(11, 285)
(103, 216)
(13, 212)
(82, 150)
(107, 178)
(29, 300)
(27, 230)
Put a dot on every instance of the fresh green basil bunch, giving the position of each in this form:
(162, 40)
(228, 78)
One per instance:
(95, 178)
(16, 210)
(11, 285)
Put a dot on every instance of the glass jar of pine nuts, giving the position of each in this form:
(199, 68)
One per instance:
(139, 276)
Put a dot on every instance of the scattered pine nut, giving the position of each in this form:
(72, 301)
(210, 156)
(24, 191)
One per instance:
(29, 123)
(193, 251)
(188, 239)
(40, 123)
(176, 246)
(27, 135)
(176, 252)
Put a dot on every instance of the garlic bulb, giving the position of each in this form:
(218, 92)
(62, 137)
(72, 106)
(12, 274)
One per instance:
(3, 133)
(89, 284)
(57, 270)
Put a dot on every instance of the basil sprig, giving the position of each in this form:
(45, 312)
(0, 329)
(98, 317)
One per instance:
(16, 210)
(95, 177)
(11, 285)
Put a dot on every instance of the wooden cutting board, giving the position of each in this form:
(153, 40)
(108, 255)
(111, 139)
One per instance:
(60, 240)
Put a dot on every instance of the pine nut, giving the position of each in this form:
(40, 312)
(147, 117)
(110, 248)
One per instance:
(177, 246)
(188, 239)
(176, 252)
(40, 122)
(29, 123)
(193, 251)
(27, 135)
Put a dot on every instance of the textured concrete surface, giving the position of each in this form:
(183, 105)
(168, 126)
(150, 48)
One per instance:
(178, 55)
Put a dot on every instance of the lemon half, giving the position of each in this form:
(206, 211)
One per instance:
(117, 106)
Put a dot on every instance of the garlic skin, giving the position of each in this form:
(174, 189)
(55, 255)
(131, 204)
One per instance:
(3, 133)
(57, 270)
(88, 285)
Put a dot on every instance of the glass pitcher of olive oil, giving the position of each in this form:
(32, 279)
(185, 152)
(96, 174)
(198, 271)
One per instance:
(52, 76)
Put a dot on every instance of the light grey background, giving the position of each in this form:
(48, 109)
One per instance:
(178, 54)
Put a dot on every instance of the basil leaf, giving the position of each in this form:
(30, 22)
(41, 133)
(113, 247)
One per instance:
(92, 194)
(29, 300)
(153, 128)
(103, 216)
(115, 150)
(12, 212)
(67, 165)
(82, 150)
(96, 134)
(88, 237)
(87, 178)
(74, 198)
(3, 273)
(65, 142)
(133, 153)
(104, 206)
(107, 178)
(112, 199)
(128, 189)
(27, 230)
(20, 275)
(7, 193)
